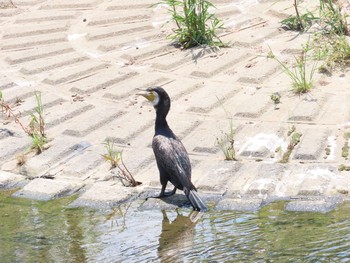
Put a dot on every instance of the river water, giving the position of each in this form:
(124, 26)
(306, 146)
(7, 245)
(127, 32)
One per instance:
(32, 231)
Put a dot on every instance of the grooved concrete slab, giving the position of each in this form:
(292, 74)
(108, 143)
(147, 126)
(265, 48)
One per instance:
(89, 58)
(47, 189)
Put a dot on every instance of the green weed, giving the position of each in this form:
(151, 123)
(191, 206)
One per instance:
(299, 22)
(195, 24)
(333, 50)
(293, 141)
(333, 18)
(300, 75)
(226, 143)
(114, 157)
(344, 167)
(276, 99)
(345, 148)
(36, 127)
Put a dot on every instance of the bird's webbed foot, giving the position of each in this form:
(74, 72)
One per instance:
(167, 194)
(163, 193)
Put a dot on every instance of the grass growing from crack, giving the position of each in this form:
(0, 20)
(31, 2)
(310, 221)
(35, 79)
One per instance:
(300, 74)
(345, 148)
(293, 141)
(333, 50)
(276, 99)
(115, 158)
(195, 25)
(299, 22)
(36, 127)
(343, 167)
(226, 143)
(332, 16)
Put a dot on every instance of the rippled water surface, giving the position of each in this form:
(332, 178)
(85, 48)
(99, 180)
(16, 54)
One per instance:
(33, 231)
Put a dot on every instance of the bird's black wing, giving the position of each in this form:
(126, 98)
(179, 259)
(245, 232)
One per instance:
(172, 156)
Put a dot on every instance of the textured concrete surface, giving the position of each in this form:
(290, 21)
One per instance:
(88, 58)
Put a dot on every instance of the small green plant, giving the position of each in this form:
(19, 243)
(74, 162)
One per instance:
(270, 55)
(301, 76)
(276, 99)
(343, 167)
(327, 150)
(36, 127)
(333, 50)
(195, 25)
(114, 157)
(345, 148)
(226, 143)
(293, 141)
(299, 22)
(333, 17)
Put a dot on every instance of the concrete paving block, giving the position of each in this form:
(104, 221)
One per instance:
(91, 84)
(312, 145)
(33, 41)
(114, 31)
(261, 103)
(18, 31)
(309, 108)
(249, 38)
(318, 205)
(339, 185)
(211, 66)
(64, 150)
(39, 17)
(213, 95)
(10, 180)
(47, 189)
(68, 5)
(239, 184)
(317, 180)
(131, 41)
(105, 195)
(148, 52)
(129, 88)
(260, 142)
(85, 69)
(258, 70)
(217, 176)
(65, 60)
(42, 53)
(266, 181)
(93, 120)
(109, 19)
(239, 204)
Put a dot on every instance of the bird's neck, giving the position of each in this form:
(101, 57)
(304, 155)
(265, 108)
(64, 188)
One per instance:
(161, 121)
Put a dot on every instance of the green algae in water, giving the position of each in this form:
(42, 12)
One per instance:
(34, 231)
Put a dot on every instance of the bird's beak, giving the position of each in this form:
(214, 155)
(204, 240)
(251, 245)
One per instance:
(147, 94)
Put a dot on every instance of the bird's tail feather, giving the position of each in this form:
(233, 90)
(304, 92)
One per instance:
(196, 201)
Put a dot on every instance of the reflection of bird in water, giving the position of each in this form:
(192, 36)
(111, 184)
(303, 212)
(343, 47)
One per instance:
(171, 156)
(177, 236)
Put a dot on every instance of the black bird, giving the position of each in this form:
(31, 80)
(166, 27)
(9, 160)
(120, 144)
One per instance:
(171, 156)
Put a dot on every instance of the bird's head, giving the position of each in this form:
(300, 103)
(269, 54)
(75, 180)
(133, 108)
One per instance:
(158, 97)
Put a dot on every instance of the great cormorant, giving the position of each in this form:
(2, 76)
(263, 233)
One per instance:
(171, 156)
